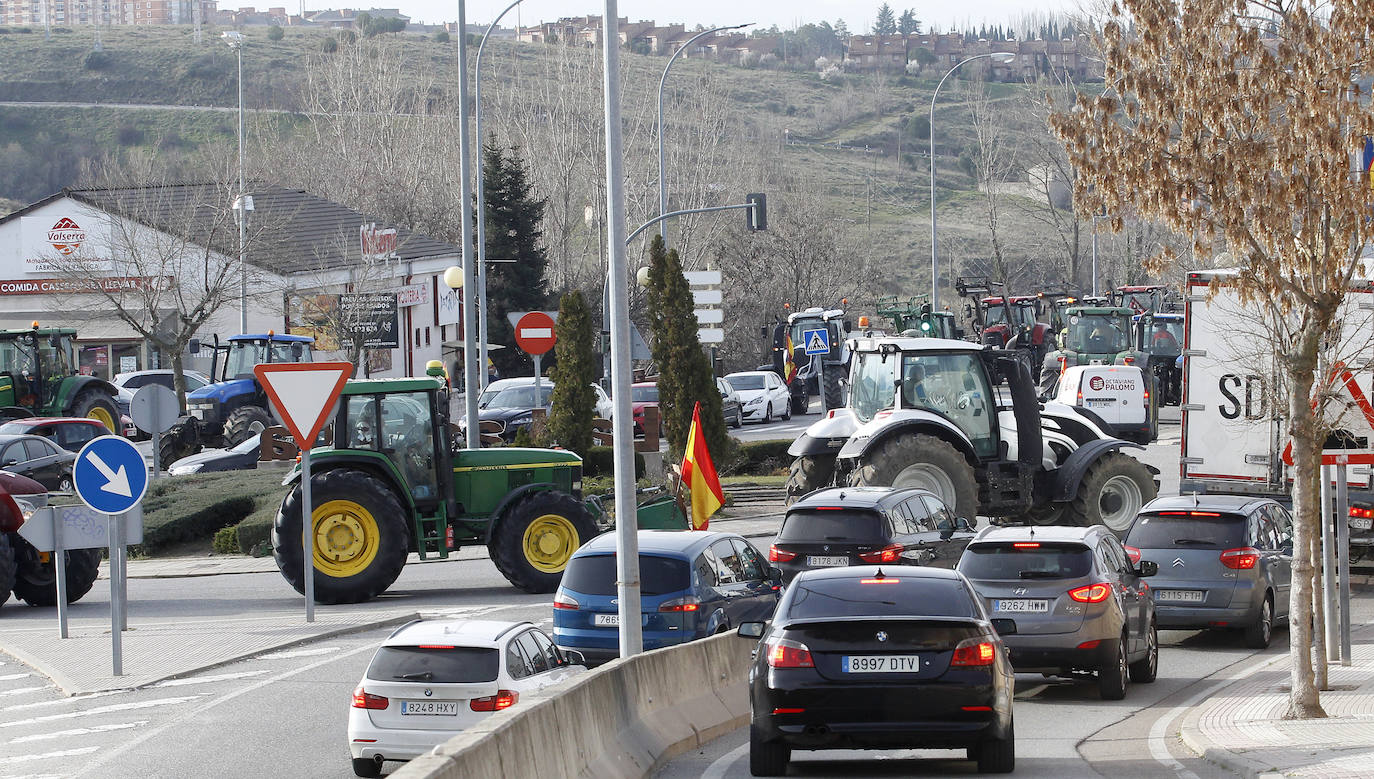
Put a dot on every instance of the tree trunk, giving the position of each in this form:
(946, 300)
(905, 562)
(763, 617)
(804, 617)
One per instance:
(178, 379)
(1304, 701)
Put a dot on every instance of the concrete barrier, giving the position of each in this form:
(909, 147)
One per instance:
(624, 719)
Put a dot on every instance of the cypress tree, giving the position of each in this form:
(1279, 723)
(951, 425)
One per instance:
(574, 400)
(514, 219)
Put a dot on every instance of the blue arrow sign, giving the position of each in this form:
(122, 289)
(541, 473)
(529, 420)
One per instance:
(109, 475)
(817, 341)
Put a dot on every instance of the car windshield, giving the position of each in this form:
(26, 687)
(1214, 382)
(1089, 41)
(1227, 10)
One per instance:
(994, 314)
(1020, 560)
(644, 394)
(1103, 333)
(437, 664)
(243, 355)
(746, 382)
(820, 526)
(516, 397)
(888, 597)
(1162, 531)
(597, 575)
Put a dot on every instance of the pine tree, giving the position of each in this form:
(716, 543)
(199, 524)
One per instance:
(886, 23)
(841, 31)
(684, 370)
(908, 24)
(574, 400)
(514, 219)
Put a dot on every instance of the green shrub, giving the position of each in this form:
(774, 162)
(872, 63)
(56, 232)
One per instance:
(97, 60)
(254, 534)
(275, 33)
(330, 45)
(600, 461)
(195, 508)
(441, 36)
(758, 458)
(227, 540)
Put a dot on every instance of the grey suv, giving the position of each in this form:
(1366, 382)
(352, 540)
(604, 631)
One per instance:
(1067, 600)
(1225, 561)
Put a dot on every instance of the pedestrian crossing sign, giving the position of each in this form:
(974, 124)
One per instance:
(816, 341)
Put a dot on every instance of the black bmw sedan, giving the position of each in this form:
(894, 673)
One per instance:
(874, 657)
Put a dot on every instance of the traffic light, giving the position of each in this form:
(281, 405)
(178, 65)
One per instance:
(757, 213)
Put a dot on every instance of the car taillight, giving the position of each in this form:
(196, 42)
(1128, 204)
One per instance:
(363, 699)
(1131, 361)
(503, 699)
(1241, 559)
(973, 652)
(776, 555)
(887, 554)
(785, 653)
(1133, 553)
(1091, 593)
(562, 601)
(685, 603)
(1363, 513)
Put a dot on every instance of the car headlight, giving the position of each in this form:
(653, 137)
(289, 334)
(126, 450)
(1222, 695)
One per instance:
(755, 401)
(26, 507)
(522, 419)
(182, 470)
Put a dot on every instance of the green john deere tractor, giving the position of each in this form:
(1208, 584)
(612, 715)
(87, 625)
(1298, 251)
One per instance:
(394, 481)
(1094, 332)
(38, 378)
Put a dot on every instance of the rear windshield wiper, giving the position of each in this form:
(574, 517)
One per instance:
(426, 675)
(1194, 542)
(1041, 575)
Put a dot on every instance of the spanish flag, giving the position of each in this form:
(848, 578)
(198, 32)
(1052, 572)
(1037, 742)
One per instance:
(789, 364)
(699, 474)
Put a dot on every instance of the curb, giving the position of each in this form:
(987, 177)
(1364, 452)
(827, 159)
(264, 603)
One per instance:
(1209, 750)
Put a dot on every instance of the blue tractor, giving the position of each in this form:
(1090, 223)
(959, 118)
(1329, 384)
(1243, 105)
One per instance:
(234, 408)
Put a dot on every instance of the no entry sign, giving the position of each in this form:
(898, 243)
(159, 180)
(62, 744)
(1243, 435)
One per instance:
(534, 332)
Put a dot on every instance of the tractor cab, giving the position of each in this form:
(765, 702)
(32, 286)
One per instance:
(242, 352)
(1009, 320)
(404, 421)
(33, 364)
(1142, 298)
(1097, 335)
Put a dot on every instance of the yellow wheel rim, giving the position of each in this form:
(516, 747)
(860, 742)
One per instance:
(346, 538)
(549, 541)
(104, 417)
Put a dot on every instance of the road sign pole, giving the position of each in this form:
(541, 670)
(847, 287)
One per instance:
(116, 635)
(124, 567)
(307, 537)
(60, 570)
(157, 444)
(1343, 552)
(1329, 567)
(538, 378)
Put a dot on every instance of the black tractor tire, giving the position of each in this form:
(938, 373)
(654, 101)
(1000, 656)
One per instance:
(96, 404)
(368, 521)
(998, 755)
(1114, 675)
(35, 582)
(8, 568)
(1048, 381)
(801, 401)
(809, 473)
(1144, 670)
(245, 422)
(767, 758)
(883, 466)
(1261, 631)
(832, 386)
(180, 440)
(551, 516)
(1112, 492)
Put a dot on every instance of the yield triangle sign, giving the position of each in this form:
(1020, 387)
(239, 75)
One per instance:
(1353, 418)
(303, 393)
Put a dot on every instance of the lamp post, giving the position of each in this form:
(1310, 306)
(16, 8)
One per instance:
(480, 272)
(997, 56)
(662, 182)
(235, 41)
(470, 366)
(453, 279)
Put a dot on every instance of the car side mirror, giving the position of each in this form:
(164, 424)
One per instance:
(1147, 568)
(963, 523)
(775, 576)
(574, 657)
(750, 630)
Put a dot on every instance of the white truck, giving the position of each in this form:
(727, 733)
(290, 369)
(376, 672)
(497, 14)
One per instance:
(1117, 394)
(1235, 404)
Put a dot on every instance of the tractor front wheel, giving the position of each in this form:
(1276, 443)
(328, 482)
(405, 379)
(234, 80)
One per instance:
(535, 536)
(808, 474)
(922, 461)
(245, 422)
(361, 536)
(98, 406)
(35, 582)
(180, 440)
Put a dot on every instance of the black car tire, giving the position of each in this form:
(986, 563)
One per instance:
(787, 411)
(809, 473)
(998, 755)
(366, 766)
(243, 423)
(8, 567)
(1144, 670)
(767, 412)
(832, 385)
(737, 421)
(885, 462)
(1259, 632)
(767, 758)
(506, 546)
(1113, 676)
(35, 582)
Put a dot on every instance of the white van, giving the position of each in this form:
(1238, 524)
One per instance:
(1118, 394)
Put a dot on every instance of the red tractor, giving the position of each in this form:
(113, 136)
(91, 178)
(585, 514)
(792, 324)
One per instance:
(1007, 321)
(25, 571)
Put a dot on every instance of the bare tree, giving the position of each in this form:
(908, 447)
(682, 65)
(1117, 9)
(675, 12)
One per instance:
(992, 164)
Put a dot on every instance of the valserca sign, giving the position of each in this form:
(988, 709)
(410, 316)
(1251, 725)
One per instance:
(77, 286)
(66, 236)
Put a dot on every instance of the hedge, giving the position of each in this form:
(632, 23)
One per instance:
(759, 458)
(600, 461)
(192, 508)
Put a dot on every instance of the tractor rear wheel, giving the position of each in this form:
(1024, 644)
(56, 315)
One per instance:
(1112, 492)
(35, 582)
(800, 398)
(245, 422)
(832, 386)
(808, 474)
(923, 461)
(180, 440)
(98, 406)
(361, 536)
(7, 568)
(536, 535)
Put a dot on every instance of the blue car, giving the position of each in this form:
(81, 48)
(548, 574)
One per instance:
(693, 583)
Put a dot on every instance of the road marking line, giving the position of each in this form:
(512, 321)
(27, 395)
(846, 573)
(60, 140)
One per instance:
(207, 679)
(50, 755)
(99, 710)
(25, 690)
(11, 677)
(718, 767)
(110, 754)
(79, 732)
(60, 701)
(1159, 748)
(324, 650)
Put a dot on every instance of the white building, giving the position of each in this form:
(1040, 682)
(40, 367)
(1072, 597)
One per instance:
(180, 240)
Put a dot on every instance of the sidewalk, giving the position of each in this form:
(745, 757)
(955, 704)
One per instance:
(1242, 728)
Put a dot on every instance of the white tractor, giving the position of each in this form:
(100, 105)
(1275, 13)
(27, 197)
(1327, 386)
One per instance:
(922, 413)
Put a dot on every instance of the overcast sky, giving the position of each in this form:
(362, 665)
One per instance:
(858, 14)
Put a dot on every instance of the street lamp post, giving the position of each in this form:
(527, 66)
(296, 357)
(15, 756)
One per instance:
(235, 41)
(662, 182)
(997, 56)
(481, 270)
(470, 366)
